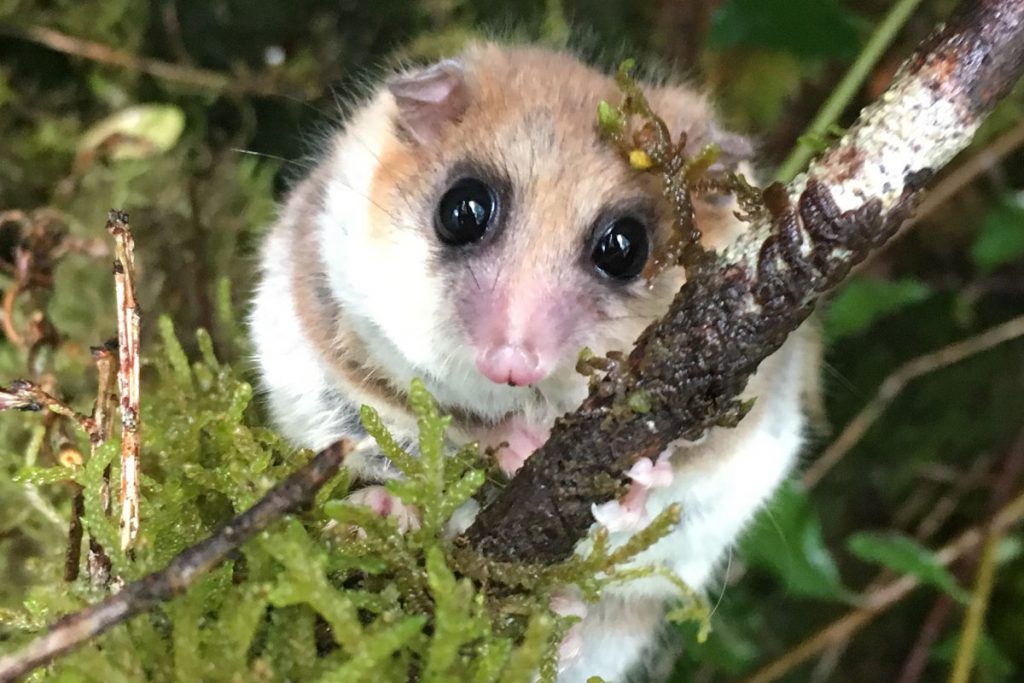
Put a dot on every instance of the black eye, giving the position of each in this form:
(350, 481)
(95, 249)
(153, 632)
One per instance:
(622, 249)
(465, 212)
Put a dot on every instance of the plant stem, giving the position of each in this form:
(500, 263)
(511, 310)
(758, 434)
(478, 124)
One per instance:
(848, 86)
(975, 619)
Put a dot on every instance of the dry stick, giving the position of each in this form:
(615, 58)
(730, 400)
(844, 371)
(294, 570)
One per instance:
(104, 54)
(928, 634)
(98, 562)
(894, 384)
(182, 571)
(692, 364)
(103, 410)
(73, 552)
(880, 600)
(21, 394)
(25, 395)
(129, 364)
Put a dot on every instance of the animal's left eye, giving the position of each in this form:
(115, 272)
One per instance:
(622, 249)
(465, 212)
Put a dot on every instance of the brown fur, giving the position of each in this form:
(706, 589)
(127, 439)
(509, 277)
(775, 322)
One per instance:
(515, 94)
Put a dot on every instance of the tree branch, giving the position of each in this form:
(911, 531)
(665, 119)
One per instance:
(103, 54)
(189, 565)
(735, 311)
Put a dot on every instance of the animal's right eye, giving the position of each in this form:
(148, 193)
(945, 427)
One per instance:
(465, 212)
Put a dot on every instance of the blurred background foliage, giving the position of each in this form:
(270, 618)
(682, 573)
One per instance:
(195, 116)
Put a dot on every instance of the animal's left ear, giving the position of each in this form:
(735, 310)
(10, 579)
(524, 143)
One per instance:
(430, 99)
(685, 110)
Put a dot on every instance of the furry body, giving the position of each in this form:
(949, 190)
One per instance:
(358, 297)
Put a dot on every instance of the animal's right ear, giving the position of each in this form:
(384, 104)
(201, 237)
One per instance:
(689, 111)
(430, 99)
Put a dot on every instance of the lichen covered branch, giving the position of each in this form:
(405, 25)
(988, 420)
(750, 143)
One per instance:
(738, 308)
(135, 598)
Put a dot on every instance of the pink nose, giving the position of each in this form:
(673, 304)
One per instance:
(510, 364)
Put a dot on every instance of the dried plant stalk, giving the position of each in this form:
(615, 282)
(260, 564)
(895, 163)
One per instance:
(127, 373)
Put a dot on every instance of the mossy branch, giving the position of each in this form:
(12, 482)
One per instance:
(739, 307)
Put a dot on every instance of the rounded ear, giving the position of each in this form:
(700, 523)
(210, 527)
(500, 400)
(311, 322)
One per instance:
(430, 98)
(688, 111)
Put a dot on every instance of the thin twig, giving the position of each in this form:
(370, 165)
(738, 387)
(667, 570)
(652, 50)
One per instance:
(894, 384)
(1004, 481)
(882, 599)
(22, 394)
(76, 629)
(102, 413)
(928, 634)
(195, 77)
(129, 364)
(975, 619)
(103, 410)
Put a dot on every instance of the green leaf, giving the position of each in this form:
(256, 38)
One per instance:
(136, 132)
(786, 540)
(906, 556)
(863, 302)
(810, 29)
(1001, 238)
(609, 119)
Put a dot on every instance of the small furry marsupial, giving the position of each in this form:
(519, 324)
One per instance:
(469, 227)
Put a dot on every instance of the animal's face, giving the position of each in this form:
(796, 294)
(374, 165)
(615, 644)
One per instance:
(503, 234)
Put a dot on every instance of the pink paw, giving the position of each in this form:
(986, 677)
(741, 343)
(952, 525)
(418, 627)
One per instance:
(385, 504)
(520, 439)
(629, 512)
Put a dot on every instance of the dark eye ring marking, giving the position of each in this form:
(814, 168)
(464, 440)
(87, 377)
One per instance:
(466, 211)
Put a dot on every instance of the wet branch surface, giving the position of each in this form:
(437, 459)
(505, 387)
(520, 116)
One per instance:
(140, 596)
(739, 307)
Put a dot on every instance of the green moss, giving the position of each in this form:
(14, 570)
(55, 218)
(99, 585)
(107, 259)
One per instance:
(333, 594)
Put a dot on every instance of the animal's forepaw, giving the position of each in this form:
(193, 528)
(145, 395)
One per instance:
(629, 512)
(569, 604)
(651, 475)
(518, 440)
(386, 504)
